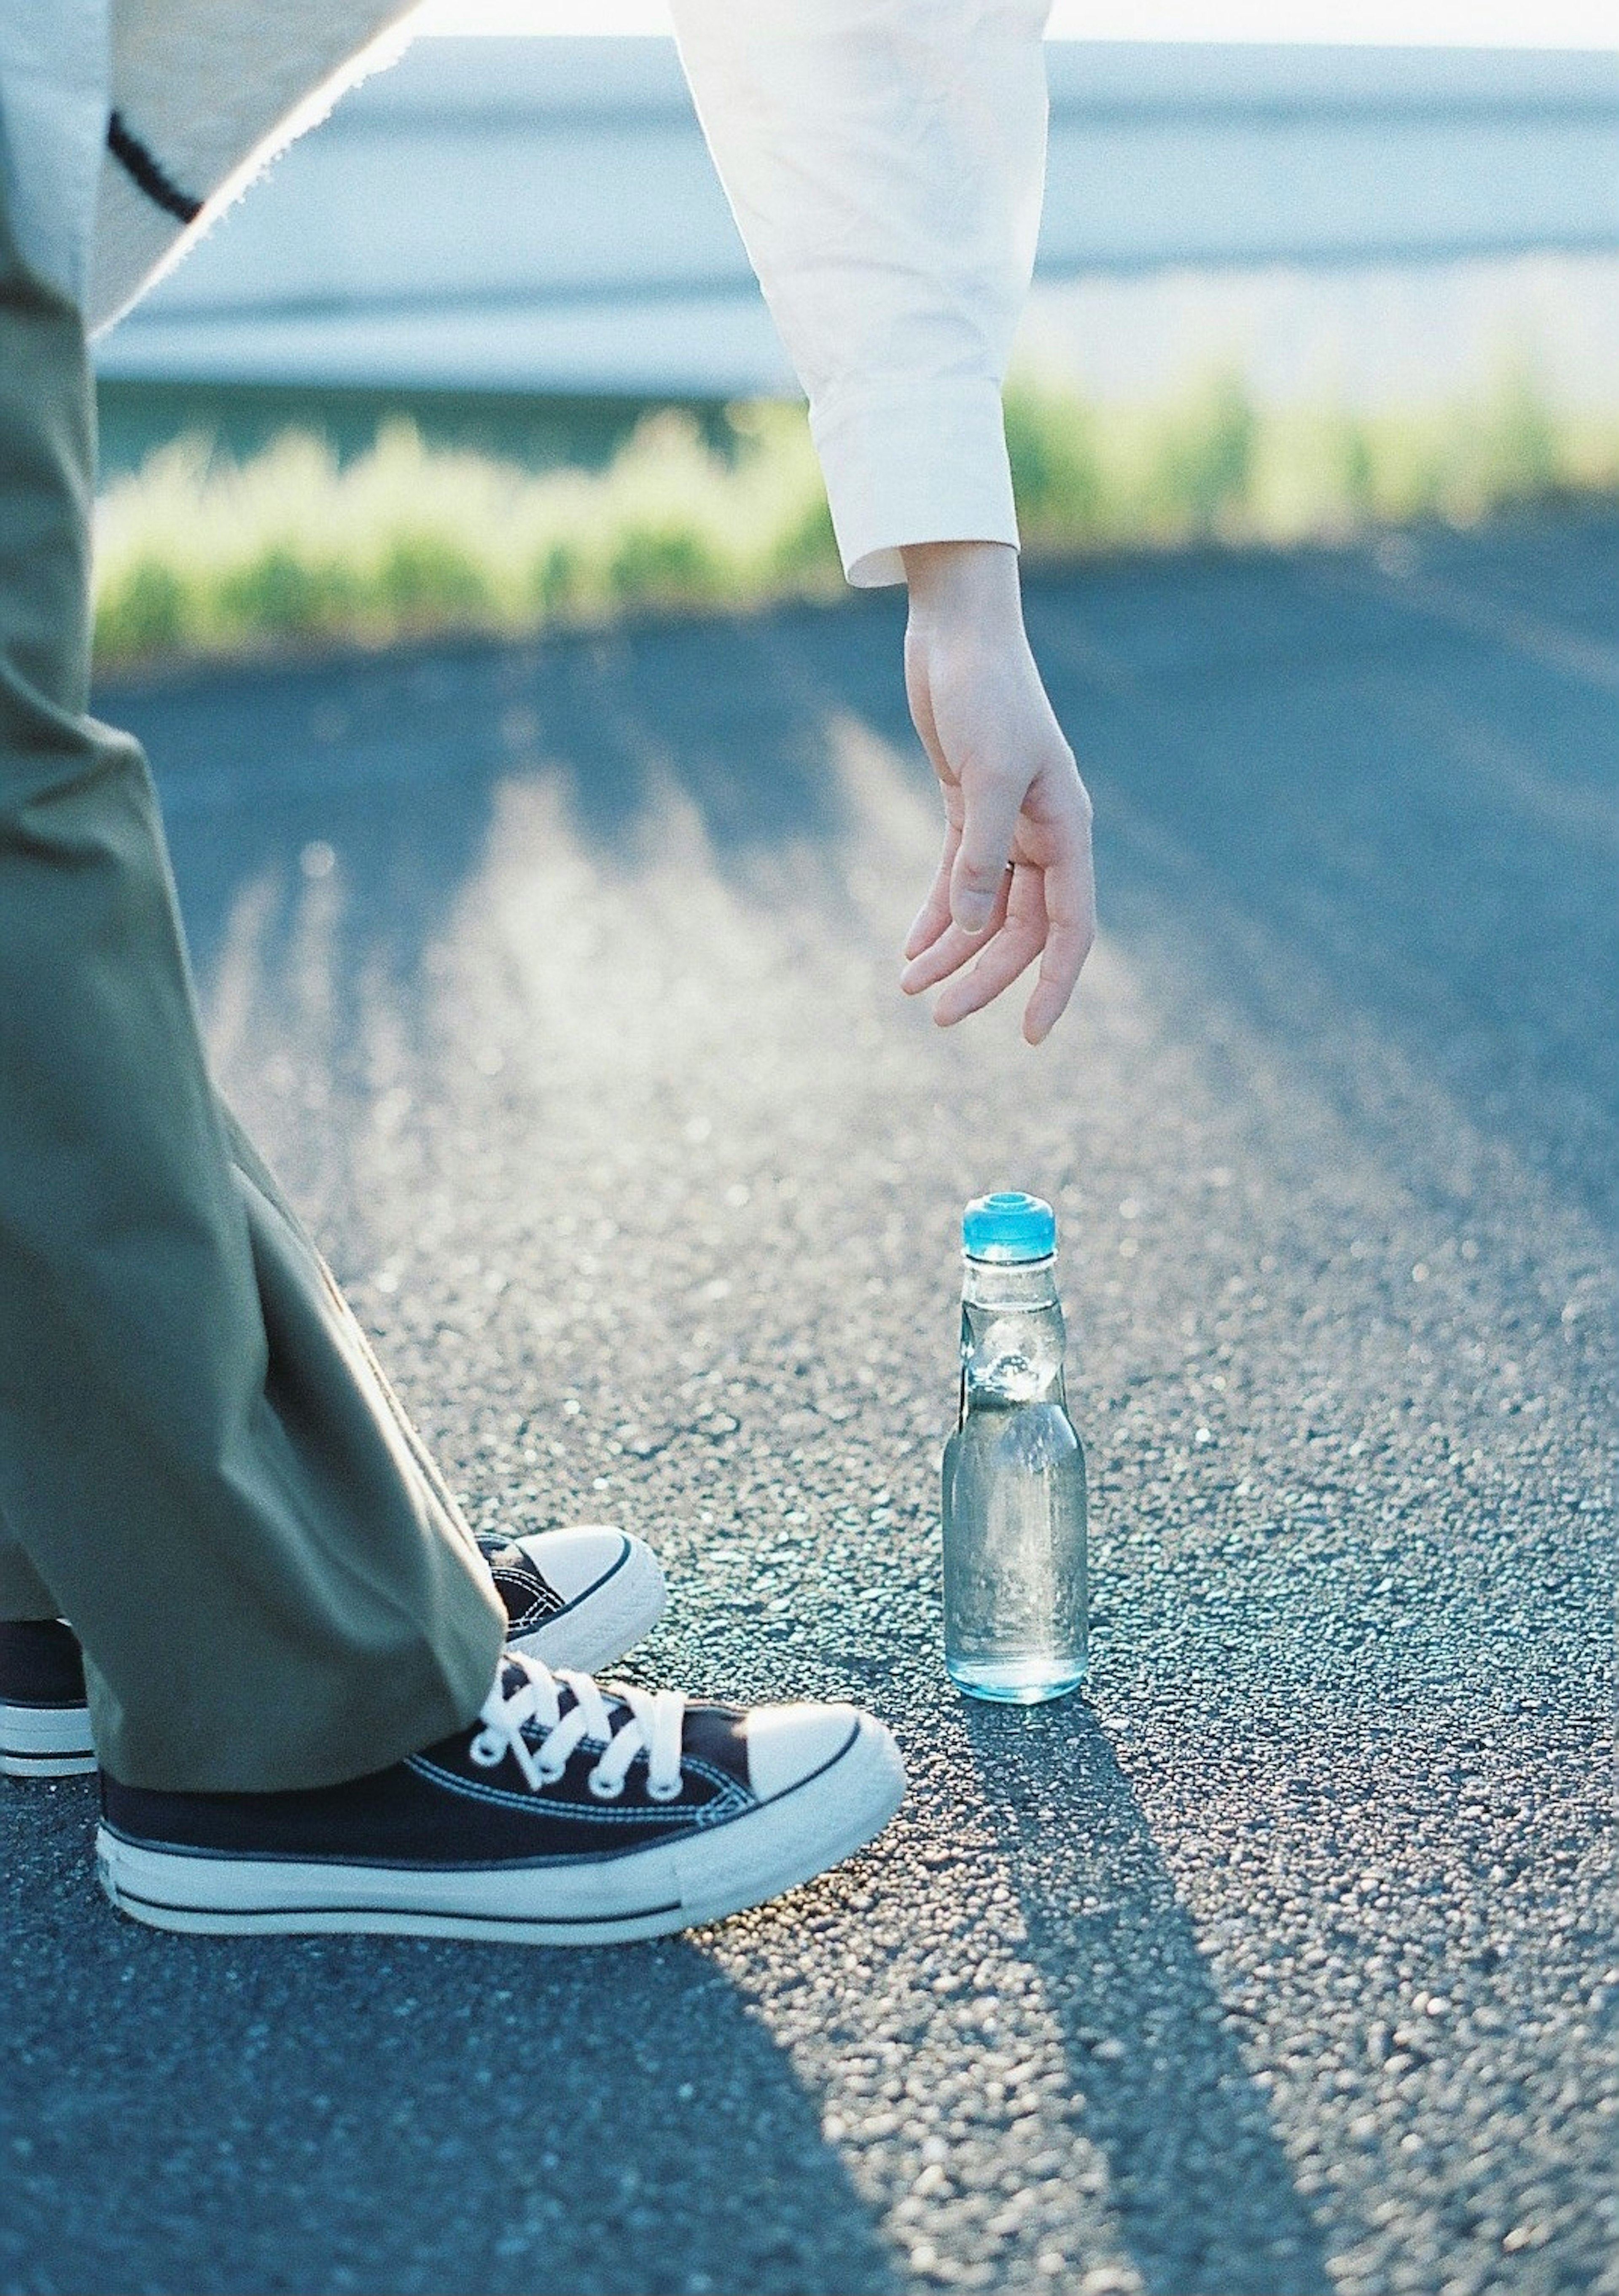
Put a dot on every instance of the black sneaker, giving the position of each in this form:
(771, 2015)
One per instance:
(44, 1723)
(578, 1597)
(569, 1813)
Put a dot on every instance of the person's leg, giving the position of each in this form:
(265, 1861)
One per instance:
(199, 1465)
(24, 1595)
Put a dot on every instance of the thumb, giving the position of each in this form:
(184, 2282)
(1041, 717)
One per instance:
(992, 802)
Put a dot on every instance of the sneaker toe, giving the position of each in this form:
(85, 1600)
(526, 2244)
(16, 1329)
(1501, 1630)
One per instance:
(575, 1560)
(787, 1745)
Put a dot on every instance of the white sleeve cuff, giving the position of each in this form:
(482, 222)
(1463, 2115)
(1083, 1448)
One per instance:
(925, 463)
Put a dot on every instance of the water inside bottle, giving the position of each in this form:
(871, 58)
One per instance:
(1014, 1472)
(1015, 1523)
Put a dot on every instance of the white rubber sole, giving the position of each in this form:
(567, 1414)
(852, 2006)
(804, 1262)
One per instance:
(645, 1893)
(46, 1741)
(607, 1620)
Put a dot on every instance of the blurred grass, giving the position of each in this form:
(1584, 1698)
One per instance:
(197, 556)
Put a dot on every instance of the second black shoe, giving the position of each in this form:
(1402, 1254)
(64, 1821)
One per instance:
(569, 1813)
(45, 1723)
(578, 1597)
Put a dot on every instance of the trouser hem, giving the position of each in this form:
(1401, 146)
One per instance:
(347, 1739)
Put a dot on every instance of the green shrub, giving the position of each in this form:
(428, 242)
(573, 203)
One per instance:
(559, 579)
(663, 562)
(1057, 472)
(426, 581)
(1204, 458)
(1518, 460)
(1351, 467)
(197, 555)
(284, 592)
(146, 608)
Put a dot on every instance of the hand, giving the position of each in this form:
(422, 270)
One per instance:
(1015, 882)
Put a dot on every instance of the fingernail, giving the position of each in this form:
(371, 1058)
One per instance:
(972, 911)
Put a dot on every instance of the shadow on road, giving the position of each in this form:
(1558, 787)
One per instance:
(718, 712)
(394, 767)
(1204, 2196)
(393, 2115)
(1400, 790)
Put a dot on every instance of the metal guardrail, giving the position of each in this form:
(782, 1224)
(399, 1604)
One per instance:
(543, 213)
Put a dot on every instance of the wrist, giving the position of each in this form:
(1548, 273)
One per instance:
(951, 580)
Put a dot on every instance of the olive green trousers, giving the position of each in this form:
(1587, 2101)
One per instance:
(201, 1464)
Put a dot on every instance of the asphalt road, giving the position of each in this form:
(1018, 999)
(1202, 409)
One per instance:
(561, 983)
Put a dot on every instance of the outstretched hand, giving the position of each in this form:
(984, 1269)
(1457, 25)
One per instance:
(1015, 880)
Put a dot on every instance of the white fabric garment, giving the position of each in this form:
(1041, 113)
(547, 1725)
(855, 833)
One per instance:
(885, 161)
(53, 73)
(213, 89)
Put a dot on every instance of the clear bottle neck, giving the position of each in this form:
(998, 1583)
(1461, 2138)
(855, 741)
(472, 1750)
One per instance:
(1012, 1334)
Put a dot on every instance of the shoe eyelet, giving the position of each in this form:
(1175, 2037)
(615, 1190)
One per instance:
(551, 1773)
(604, 1789)
(487, 1754)
(660, 1793)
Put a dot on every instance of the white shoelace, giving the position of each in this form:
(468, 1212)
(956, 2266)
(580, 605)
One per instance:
(651, 1725)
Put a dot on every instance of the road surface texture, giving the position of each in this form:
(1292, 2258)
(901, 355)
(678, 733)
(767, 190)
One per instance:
(560, 981)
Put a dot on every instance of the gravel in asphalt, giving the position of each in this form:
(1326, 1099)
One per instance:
(559, 982)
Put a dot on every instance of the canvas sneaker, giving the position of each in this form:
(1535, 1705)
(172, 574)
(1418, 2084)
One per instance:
(570, 1813)
(578, 1597)
(45, 1723)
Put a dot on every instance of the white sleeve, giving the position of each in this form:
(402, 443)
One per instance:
(885, 161)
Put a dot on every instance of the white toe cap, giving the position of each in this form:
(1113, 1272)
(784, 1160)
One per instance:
(787, 1745)
(575, 1560)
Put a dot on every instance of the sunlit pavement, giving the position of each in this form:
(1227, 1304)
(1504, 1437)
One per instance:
(559, 982)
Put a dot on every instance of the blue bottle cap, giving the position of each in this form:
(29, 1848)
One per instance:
(1008, 1227)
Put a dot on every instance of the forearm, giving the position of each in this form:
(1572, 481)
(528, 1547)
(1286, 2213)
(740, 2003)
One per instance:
(884, 159)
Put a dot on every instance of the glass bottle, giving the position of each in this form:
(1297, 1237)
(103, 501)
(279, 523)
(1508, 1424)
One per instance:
(1014, 1471)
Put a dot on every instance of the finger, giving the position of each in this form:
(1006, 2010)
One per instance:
(934, 916)
(953, 948)
(1065, 950)
(1071, 907)
(992, 803)
(1011, 951)
(931, 919)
